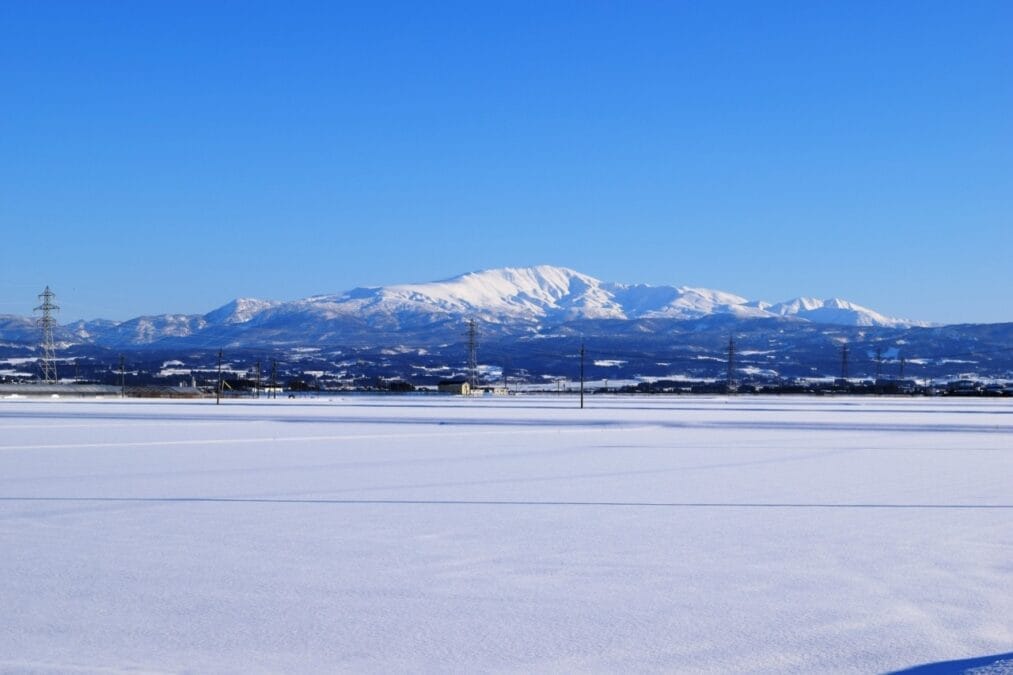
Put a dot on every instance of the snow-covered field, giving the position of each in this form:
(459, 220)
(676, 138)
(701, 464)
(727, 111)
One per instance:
(471, 535)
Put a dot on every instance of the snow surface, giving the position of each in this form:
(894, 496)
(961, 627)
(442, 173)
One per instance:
(434, 534)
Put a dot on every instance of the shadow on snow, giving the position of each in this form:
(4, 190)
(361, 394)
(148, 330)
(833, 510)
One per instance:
(997, 663)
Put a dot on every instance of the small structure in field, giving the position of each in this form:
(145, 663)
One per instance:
(459, 387)
(491, 390)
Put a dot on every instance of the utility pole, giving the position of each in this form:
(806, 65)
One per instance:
(472, 354)
(274, 378)
(46, 323)
(581, 374)
(258, 379)
(879, 363)
(730, 384)
(218, 389)
(123, 381)
(900, 375)
(844, 361)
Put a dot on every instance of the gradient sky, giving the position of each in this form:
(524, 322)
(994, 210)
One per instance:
(170, 156)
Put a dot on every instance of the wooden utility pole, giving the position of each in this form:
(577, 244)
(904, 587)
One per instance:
(730, 383)
(218, 389)
(581, 374)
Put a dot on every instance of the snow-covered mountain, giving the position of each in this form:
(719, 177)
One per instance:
(838, 312)
(547, 294)
(507, 299)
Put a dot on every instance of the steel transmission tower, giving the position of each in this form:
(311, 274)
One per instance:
(46, 323)
(472, 354)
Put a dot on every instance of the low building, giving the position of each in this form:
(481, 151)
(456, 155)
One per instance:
(460, 387)
(492, 390)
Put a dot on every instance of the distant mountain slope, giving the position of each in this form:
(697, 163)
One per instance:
(836, 311)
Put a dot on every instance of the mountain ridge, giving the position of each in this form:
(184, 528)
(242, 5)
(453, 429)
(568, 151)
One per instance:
(510, 299)
(552, 292)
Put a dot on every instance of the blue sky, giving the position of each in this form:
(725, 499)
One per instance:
(170, 156)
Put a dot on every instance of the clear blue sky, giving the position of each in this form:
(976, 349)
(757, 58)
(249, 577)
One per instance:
(170, 156)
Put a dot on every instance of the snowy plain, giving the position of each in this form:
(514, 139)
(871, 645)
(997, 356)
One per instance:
(520, 534)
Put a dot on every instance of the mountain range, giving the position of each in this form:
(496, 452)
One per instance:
(533, 322)
(504, 301)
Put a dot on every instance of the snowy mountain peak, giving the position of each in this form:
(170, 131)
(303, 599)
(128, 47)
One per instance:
(836, 311)
(543, 284)
(546, 293)
(543, 294)
(239, 310)
(494, 295)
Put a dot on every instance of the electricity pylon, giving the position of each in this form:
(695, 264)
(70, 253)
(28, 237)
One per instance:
(46, 323)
